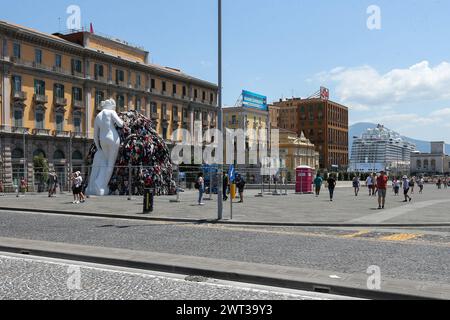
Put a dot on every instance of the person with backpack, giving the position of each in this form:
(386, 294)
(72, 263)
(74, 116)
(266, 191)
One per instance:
(200, 186)
(331, 186)
(240, 184)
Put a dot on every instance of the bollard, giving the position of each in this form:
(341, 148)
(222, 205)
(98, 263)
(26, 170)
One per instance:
(149, 195)
(129, 182)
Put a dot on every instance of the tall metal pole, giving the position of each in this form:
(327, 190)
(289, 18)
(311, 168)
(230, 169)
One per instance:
(220, 124)
(25, 175)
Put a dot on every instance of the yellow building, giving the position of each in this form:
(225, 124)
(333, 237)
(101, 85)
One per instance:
(255, 122)
(297, 151)
(51, 87)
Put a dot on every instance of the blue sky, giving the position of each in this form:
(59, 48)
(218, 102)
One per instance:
(398, 75)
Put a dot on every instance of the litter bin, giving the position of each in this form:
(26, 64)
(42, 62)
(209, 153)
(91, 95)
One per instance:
(149, 195)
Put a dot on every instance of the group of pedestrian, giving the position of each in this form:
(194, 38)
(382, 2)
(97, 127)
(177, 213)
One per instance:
(376, 184)
(239, 181)
(77, 188)
(331, 185)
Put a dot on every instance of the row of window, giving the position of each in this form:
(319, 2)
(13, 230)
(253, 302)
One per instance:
(39, 116)
(99, 73)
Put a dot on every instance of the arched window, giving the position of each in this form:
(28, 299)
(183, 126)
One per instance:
(433, 164)
(39, 152)
(425, 164)
(77, 155)
(419, 164)
(17, 154)
(59, 155)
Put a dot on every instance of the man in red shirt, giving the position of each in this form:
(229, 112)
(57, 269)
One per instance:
(382, 182)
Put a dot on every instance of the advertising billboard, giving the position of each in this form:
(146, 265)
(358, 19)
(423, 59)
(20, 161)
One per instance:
(254, 100)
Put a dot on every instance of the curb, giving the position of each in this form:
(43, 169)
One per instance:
(235, 276)
(142, 217)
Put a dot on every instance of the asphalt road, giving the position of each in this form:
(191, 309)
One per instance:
(420, 255)
(35, 278)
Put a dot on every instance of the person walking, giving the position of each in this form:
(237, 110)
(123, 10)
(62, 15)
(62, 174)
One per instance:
(79, 179)
(356, 185)
(50, 184)
(225, 184)
(331, 186)
(73, 179)
(240, 184)
(412, 184)
(23, 185)
(396, 186)
(421, 184)
(318, 181)
(200, 186)
(406, 189)
(382, 182)
(369, 184)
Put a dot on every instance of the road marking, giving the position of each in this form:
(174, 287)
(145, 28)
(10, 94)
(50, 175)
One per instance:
(401, 237)
(383, 216)
(355, 235)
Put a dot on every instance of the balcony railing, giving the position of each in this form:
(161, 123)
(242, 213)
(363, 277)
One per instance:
(41, 132)
(78, 74)
(101, 79)
(39, 98)
(175, 118)
(20, 130)
(20, 95)
(61, 134)
(155, 116)
(77, 104)
(77, 135)
(60, 101)
(120, 83)
(165, 117)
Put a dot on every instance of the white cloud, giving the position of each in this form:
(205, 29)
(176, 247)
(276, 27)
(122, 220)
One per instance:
(364, 88)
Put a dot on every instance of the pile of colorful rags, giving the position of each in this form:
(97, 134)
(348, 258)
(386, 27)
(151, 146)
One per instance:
(143, 149)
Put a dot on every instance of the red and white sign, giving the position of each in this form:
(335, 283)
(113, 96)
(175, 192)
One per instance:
(324, 93)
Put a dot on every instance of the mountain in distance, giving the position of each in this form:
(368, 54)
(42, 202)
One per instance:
(358, 129)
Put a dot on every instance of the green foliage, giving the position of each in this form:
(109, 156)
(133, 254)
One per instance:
(40, 165)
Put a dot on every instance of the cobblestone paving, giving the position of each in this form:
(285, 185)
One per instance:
(32, 279)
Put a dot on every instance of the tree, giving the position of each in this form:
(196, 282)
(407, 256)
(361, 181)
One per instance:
(40, 165)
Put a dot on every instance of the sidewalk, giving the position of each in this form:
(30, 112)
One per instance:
(354, 284)
(431, 208)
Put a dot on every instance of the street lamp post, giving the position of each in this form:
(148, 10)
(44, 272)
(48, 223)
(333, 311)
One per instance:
(25, 176)
(220, 115)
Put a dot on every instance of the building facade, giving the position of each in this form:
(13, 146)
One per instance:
(381, 149)
(436, 162)
(323, 122)
(297, 151)
(51, 87)
(254, 121)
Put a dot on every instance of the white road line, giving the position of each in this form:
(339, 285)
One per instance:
(382, 216)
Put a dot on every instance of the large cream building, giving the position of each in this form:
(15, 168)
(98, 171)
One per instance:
(51, 87)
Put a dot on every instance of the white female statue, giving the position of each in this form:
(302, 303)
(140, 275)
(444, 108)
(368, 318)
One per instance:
(107, 141)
